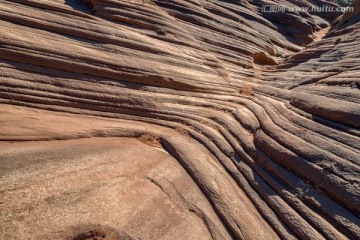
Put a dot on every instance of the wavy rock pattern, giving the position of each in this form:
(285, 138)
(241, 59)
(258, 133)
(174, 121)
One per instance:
(252, 120)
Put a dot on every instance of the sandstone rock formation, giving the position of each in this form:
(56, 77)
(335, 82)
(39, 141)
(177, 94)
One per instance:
(178, 119)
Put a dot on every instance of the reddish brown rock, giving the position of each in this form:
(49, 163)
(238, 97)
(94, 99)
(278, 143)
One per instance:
(178, 119)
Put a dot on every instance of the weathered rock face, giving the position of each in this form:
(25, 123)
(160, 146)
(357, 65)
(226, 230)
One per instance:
(178, 119)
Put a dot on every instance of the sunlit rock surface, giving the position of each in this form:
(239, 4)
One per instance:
(178, 119)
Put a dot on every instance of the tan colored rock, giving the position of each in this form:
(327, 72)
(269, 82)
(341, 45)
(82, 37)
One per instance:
(178, 119)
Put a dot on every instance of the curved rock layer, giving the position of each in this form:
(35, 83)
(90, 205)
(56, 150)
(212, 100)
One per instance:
(178, 119)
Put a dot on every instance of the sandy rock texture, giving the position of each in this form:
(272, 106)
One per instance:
(178, 119)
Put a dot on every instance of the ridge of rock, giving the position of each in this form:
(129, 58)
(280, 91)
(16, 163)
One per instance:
(178, 119)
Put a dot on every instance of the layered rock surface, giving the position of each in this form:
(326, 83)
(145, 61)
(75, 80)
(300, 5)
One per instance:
(178, 119)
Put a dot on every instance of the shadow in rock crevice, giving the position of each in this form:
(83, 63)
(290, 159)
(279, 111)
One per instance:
(79, 5)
